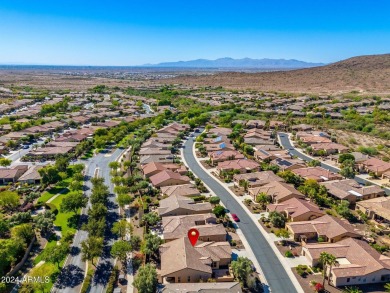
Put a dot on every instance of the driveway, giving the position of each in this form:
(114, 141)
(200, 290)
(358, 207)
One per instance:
(272, 268)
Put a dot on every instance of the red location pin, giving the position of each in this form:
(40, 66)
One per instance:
(193, 235)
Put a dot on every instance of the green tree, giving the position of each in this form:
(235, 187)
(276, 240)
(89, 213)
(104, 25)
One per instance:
(151, 244)
(95, 227)
(76, 185)
(327, 260)
(242, 269)
(343, 210)
(24, 232)
(44, 221)
(73, 201)
(263, 199)
(277, 219)
(314, 163)
(9, 200)
(122, 228)
(124, 199)
(91, 248)
(150, 219)
(49, 175)
(62, 163)
(344, 157)
(291, 178)
(347, 172)
(120, 249)
(78, 168)
(135, 242)
(97, 211)
(214, 200)
(4, 162)
(4, 227)
(219, 211)
(387, 287)
(146, 279)
(55, 254)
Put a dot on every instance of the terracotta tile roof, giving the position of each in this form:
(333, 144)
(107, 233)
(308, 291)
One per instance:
(215, 287)
(154, 151)
(238, 164)
(295, 207)
(260, 178)
(184, 190)
(345, 188)
(177, 226)
(329, 146)
(317, 173)
(165, 175)
(221, 155)
(359, 258)
(325, 225)
(179, 254)
(279, 190)
(379, 205)
(376, 165)
(186, 204)
(31, 174)
(315, 139)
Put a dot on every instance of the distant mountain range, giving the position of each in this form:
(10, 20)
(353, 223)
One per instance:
(239, 63)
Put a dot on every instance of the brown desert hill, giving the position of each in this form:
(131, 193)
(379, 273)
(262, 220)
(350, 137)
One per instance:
(365, 74)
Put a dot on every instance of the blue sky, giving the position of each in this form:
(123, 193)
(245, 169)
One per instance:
(129, 32)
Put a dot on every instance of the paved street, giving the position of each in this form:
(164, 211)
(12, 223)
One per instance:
(72, 274)
(286, 144)
(273, 270)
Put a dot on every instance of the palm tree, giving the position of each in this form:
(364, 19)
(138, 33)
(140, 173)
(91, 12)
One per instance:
(387, 287)
(327, 260)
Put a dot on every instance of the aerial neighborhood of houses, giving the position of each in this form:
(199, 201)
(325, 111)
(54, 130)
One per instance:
(266, 189)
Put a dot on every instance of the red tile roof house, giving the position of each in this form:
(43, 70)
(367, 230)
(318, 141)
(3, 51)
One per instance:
(278, 191)
(287, 164)
(188, 190)
(153, 151)
(151, 143)
(220, 131)
(310, 140)
(11, 175)
(265, 155)
(242, 165)
(175, 227)
(49, 152)
(374, 165)
(180, 205)
(352, 191)
(330, 148)
(317, 173)
(221, 146)
(168, 178)
(255, 124)
(183, 263)
(330, 229)
(357, 262)
(296, 209)
(256, 179)
(224, 155)
(153, 168)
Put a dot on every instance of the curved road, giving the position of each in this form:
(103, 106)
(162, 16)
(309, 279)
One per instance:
(286, 144)
(273, 270)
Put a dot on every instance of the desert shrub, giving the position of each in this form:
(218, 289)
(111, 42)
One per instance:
(288, 253)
